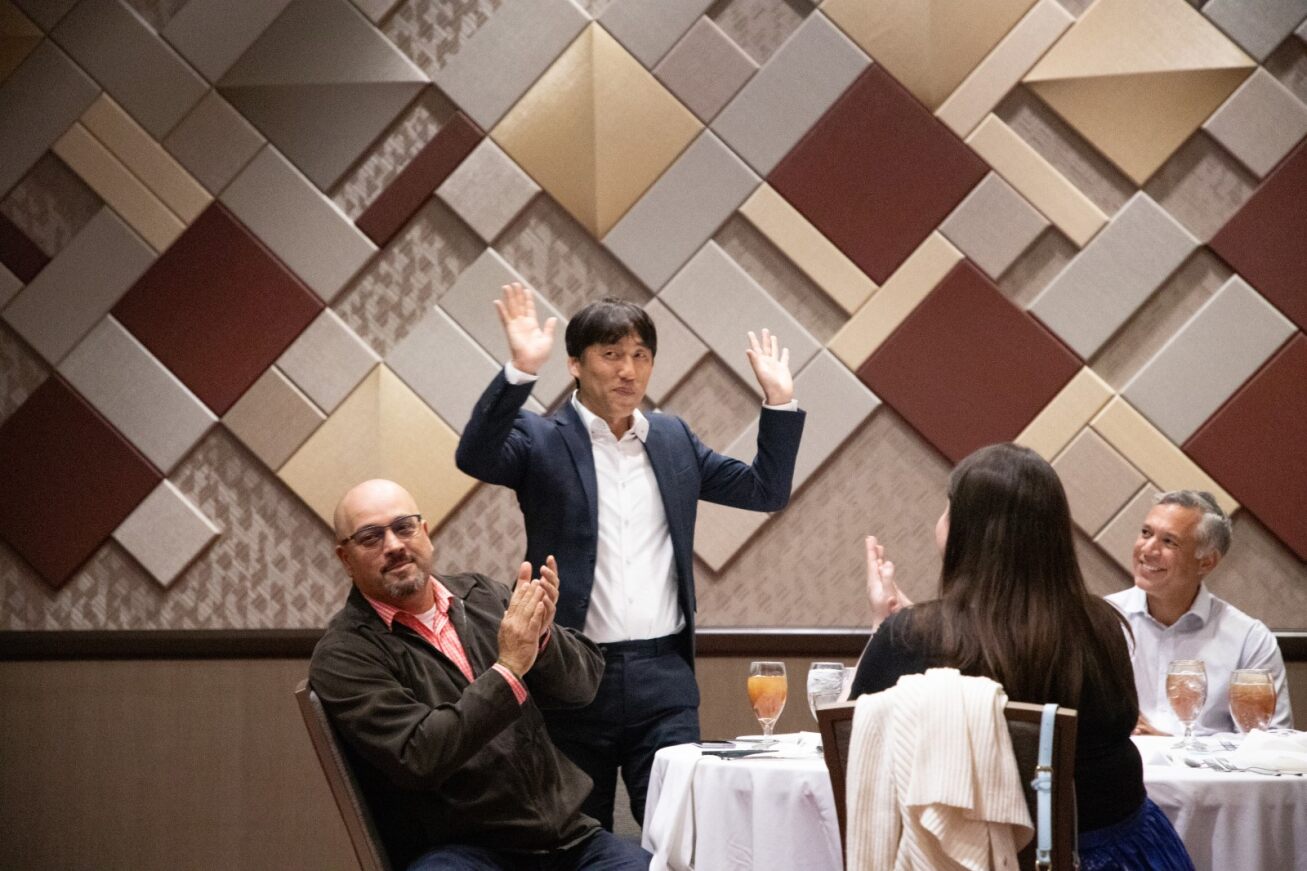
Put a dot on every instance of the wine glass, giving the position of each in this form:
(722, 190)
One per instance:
(1252, 698)
(825, 684)
(1186, 690)
(767, 691)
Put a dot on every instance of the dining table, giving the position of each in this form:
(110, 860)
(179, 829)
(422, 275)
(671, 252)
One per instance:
(769, 811)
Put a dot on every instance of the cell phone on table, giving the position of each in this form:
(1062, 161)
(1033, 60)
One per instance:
(715, 745)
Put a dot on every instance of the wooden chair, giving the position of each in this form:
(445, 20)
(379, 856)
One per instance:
(836, 724)
(368, 848)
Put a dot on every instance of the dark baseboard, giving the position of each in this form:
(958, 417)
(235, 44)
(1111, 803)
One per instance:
(298, 643)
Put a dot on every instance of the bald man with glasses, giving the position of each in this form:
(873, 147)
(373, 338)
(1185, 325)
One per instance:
(435, 683)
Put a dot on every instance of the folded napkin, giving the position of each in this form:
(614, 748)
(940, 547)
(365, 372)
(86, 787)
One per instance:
(1281, 750)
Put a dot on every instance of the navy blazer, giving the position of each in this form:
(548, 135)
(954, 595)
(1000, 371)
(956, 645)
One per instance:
(549, 462)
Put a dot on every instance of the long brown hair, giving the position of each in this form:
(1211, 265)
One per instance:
(1013, 603)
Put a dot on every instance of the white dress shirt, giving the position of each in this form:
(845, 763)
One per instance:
(1214, 631)
(634, 592)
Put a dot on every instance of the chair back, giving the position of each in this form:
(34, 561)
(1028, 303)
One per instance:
(368, 848)
(836, 724)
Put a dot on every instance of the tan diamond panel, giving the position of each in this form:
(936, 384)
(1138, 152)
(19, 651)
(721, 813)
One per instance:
(596, 130)
(1077, 106)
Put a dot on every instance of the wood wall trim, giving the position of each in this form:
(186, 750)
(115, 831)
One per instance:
(298, 643)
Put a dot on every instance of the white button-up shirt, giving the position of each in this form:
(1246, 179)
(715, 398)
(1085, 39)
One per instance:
(1214, 631)
(634, 593)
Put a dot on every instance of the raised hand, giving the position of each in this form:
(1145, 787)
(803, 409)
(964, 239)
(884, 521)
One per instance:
(771, 366)
(523, 623)
(528, 342)
(882, 593)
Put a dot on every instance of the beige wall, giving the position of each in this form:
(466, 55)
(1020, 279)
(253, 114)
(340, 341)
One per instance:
(205, 764)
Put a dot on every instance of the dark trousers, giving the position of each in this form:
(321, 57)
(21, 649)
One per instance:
(603, 851)
(648, 699)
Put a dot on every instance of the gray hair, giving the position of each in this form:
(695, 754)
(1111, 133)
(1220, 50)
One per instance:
(1214, 529)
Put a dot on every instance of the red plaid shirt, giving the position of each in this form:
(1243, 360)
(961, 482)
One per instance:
(442, 636)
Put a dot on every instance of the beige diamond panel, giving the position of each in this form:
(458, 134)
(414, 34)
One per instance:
(1075, 119)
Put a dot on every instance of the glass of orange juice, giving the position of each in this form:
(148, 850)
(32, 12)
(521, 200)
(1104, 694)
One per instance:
(767, 691)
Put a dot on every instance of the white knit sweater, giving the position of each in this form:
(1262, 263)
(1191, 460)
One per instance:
(932, 782)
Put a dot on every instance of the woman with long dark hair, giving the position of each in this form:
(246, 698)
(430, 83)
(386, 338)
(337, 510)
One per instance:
(1013, 607)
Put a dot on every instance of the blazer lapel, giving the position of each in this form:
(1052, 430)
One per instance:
(658, 445)
(578, 445)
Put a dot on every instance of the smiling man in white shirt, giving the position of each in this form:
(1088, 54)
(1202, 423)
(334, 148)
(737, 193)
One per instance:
(1174, 616)
(612, 494)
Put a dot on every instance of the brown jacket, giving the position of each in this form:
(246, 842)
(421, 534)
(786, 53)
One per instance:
(445, 761)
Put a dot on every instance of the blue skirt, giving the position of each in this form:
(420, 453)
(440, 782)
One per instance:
(1145, 841)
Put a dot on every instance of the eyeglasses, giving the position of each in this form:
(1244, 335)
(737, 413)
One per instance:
(370, 536)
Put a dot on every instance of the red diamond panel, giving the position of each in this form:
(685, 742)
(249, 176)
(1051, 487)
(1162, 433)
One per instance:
(1266, 240)
(70, 479)
(217, 308)
(1256, 445)
(877, 173)
(967, 368)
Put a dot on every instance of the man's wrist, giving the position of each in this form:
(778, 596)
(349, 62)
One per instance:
(515, 374)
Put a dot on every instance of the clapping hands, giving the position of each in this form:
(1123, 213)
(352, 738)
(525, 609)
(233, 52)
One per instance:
(882, 593)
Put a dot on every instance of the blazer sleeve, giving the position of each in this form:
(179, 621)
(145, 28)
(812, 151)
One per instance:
(416, 743)
(495, 446)
(566, 674)
(763, 485)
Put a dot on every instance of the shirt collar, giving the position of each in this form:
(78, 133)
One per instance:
(387, 612)
(597, 426)
(1201, 609)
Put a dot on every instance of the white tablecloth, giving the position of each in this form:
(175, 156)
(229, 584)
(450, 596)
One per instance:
(1229, 820)
(719, 815)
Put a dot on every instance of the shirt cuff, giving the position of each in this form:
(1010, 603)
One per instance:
(514, 375)
(519, 691)
(792, 405)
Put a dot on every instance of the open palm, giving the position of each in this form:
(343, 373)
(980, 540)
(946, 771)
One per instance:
(529, 343)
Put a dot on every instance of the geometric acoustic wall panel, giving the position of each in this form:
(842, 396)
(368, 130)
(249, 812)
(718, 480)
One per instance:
(596, 130)
(1257, 26)
(1264, 239)
(79, 286)
(487, 190)
(782, 101)
(166, 533)
(217, 309)
(1260, 122)
(321, 83)
(1107, 281)
(928, 45)
(382, 430)
(967, 367)
(142, 72)
(993, 225)
(648, 30)
(37, 103)
(273, 418)
(66, 470)
(1098, 480)
(470, 68)
(18, 37)
(1186, 381)
(135, 393)
(877, 173)
(1254, 445)
(299, 224)
(1137, 77)
(661, 232)
(705, 69)
(213, 34)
